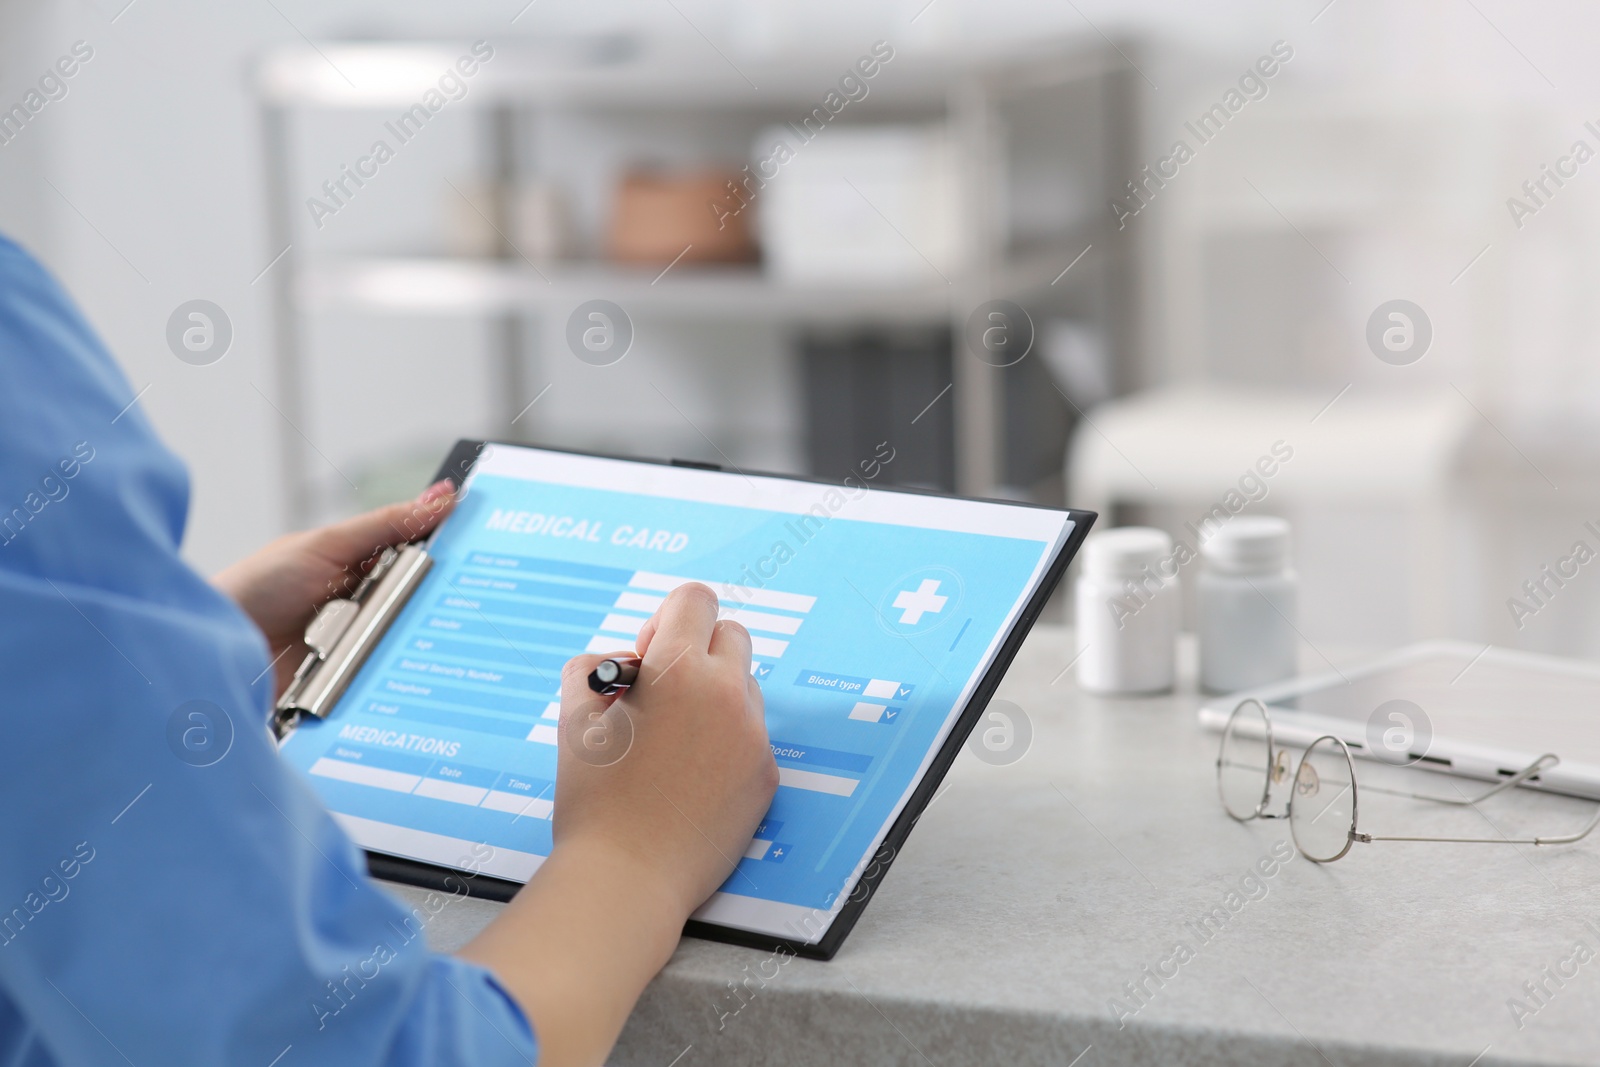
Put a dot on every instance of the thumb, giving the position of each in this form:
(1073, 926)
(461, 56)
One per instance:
(356, 539)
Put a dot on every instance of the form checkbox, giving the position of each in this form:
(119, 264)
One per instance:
(867, 712)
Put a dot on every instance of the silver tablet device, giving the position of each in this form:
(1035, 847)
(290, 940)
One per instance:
(1462, 708)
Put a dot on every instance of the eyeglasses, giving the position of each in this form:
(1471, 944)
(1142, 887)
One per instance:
(1322, 807)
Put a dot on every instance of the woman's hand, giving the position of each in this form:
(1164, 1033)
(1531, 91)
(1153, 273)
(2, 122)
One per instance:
(657, 795)
(698, 773)
(282, 586)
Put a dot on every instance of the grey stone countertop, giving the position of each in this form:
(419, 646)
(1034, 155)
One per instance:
(1032, 897)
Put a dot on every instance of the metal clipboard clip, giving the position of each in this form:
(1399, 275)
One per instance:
(344, 633)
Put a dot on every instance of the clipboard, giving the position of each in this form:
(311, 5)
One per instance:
(347, 640)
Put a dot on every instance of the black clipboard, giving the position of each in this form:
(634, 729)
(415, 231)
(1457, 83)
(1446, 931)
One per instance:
(459, 464)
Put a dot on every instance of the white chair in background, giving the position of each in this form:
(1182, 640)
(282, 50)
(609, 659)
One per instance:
(1189, 447)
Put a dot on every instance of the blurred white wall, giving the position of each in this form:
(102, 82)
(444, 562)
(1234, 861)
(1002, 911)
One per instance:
(1385, 151)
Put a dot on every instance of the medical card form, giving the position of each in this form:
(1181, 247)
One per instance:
(872, 617)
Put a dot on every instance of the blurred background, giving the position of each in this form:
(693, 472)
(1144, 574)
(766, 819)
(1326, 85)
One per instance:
(1116, 255)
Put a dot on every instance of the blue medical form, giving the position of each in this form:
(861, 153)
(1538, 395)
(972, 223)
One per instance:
(872, 615)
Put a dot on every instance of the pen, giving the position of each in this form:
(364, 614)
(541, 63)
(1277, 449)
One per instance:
(610, 675)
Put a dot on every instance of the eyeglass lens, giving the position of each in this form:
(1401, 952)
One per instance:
(1322, 804)
(1244, 761)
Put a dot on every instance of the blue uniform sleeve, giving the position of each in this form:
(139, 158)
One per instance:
(169, 892)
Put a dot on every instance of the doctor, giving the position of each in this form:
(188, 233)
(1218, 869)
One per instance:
(155, 911)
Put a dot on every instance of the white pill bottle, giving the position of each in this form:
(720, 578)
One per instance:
(1127, 601)
(1246, 599)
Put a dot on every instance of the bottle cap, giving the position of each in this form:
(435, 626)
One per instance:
(1125, 552)
(1250, 544)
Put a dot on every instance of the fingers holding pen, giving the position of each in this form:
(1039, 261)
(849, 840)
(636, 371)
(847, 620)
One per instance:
(683, 624)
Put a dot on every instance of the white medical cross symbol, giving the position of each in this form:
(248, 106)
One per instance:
(925, 599)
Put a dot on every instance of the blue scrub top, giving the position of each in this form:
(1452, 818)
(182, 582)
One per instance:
(158, 904)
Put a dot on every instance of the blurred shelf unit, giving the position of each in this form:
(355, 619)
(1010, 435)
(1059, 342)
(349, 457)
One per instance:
(1038, 144)
(438, 285)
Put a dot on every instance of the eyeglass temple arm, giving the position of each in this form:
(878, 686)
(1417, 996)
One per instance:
(1543, 763)
(1564, 839)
